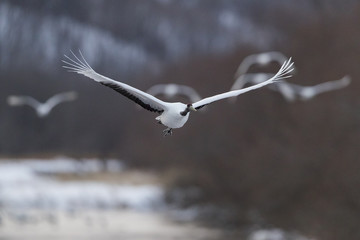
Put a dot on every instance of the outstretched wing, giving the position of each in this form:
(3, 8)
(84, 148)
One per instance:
(157, 89)
(145, 100)
(61, 97)
(333, 85)
(283, 73)
(23, 100)
(259, 58)
(171, 90)
(189, 92)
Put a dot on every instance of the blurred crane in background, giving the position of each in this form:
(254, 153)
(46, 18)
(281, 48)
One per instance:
(41, 109)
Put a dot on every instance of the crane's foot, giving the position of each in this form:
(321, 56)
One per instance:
(167, 132)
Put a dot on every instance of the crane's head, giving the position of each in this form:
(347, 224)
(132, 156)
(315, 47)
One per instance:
(189, 107)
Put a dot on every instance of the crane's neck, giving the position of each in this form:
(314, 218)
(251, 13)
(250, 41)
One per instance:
(188, 108)
(185, 112)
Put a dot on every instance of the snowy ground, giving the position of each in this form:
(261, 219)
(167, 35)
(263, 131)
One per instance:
(71, 199)
(120, 224)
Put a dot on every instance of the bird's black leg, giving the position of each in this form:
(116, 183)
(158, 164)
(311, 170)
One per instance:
(167, 132)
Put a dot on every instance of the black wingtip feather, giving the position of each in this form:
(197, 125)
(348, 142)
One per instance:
(131, 97)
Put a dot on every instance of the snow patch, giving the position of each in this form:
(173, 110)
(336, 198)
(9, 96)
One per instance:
(275, 234)
(30, 184)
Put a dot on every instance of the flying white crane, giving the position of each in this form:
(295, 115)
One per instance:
(261, 59)
(290, 91)
(172, 115)
(308, 92)
(171, 90)
(42, 109)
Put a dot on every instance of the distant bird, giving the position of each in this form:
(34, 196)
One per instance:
(171, 90)
(172, 115)
(261, 59)
(308, 92)
(290, 91)
(42, 109)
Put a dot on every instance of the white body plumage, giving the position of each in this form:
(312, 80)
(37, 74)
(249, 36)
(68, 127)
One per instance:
(171, 117)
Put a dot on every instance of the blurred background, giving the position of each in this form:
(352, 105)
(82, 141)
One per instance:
(256, 169)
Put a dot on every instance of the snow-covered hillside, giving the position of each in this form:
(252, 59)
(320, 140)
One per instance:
(31, 41)
(150, 38)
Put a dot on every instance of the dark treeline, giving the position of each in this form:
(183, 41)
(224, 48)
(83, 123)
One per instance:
(294, 165)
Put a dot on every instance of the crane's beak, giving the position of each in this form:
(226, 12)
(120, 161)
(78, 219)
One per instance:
(192, 109)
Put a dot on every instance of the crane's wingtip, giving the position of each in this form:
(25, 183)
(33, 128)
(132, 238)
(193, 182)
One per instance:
(346, 79)
(75, 64)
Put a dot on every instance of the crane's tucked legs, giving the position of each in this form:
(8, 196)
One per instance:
(167, 132)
